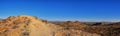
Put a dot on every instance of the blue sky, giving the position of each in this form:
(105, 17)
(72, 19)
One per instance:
(83, 10)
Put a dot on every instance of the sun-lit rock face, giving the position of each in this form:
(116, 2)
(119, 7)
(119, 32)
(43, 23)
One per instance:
(32, 26)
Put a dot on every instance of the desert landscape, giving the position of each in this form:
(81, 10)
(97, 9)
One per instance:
(59, 17)
(32, 26)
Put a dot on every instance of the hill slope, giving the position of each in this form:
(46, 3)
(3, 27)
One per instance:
(32, 26)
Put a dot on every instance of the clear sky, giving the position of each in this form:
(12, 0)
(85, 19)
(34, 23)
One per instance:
(83, 10)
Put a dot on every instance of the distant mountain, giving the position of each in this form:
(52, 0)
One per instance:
(1, 19)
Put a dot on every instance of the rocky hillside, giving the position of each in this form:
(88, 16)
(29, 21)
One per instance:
(103, 29)
(32, 26)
